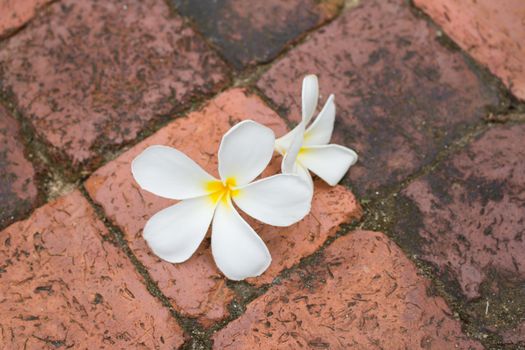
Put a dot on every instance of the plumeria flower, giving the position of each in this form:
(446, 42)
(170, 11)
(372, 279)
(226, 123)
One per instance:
(176, 232)
(307, 149)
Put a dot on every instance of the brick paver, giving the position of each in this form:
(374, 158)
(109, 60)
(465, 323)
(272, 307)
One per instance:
(15, 13)
(249, 32)
(18, 192)
(400, 94)
(87, 78)
(493, 32)
(196, 287)
(61, 286)
(467, 218)
(331, 207)
(362, 293)
(92, 74)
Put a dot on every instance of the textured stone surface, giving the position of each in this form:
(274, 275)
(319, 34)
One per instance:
(467, 218)
(92, 74)
(15, 13)
(249, 32)
(400, 95)
(493, 32)
(363, 293)
(61, 286)
(18, 192)
(196, 287)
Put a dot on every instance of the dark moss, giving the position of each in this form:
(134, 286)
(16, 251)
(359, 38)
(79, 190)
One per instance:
(501, 306)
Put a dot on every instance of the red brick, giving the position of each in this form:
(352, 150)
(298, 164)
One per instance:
(493, 32)
(331, 207)
(362, 293)
(90, 75)
(15, 13)
(17, 183)
(400, 95)
(196, 287)
(467, 220)
(250, 32)
(62, 286)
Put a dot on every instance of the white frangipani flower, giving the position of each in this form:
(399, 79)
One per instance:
(307, 149)
(176, 232)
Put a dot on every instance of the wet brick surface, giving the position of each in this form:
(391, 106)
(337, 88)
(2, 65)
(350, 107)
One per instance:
(92, 74)
(249, 32)
(400, 95)
(363, 293)
(196, 287)
(493, 32)
(467, 219)
(18, 191)
(61, 286)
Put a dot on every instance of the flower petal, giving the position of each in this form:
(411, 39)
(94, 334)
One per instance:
(310, 95)
(245, 150)
(279, 200)
(169, 173)
(175, 233)
(290, 157)
(283, 143)
(304, 174)
(329, 162)
(238, 251)
(298, 169)
(320, 132)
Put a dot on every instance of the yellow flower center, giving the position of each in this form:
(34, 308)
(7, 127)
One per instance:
(221, 191)
(302, 151)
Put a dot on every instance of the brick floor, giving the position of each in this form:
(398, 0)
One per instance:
(196, 287)
(90, 75)
(16, 13)
(62, 286)
(250, 32)
(362, 293)
(493, 32)
(18, 192)
(400, 95)
(88, 78)
(466, 218)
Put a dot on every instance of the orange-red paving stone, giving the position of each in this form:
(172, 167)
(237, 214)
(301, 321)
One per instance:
(467, 218)
(15, 13)
(331, 207)
(18, 191)
(249, 32)
(196, 288)
(493, 32)
(361, 293)
(401, 96)
(61, 285)
(90, 75)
